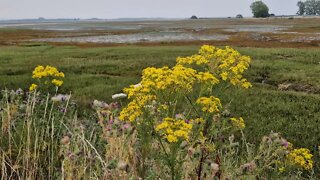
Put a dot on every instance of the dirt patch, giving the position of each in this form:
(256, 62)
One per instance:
(307, 88)
(238, 43)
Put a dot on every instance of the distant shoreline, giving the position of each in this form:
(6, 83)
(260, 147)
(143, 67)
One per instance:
(44, 20)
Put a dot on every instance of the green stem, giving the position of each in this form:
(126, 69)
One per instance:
(189, 101)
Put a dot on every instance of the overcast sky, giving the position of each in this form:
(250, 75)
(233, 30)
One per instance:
(18, 9)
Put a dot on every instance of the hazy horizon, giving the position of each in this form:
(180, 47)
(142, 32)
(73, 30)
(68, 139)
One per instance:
(33, 9)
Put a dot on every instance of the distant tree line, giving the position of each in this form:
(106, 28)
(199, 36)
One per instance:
(309, 7)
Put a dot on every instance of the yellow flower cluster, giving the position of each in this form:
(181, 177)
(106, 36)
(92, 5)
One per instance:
(134, 108)
(232, 65)
(181, 79)
(177, 79)
(207, 78)
(57, 82)
(238, 122)
(171, 80)
(136, 90)
(226, 63)
(206, 52)
(174, 129)
(33, 87)
(282, 169)
(41, 71)
(195, 59)
(209, 104)
(48, 72)
(301, 158)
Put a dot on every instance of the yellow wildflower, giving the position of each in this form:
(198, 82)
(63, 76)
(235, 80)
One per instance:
(209, 104)
(207, 51)
(224, 75)
(60, 74)
(245, 84)
(33, 87)
(226, 63)
(50, 75)
(41, 71)
(282, 169)
(238, 122)
(171, 138)
(56, 82)
(207, 77)
(174, 129)
(195, 59)
(134, 108)
(213, 65)
(302, 158)
(131, 112)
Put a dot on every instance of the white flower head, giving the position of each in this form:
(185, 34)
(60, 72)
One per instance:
(137, 85)
(60, 98)
(100, 104)
(120, 95)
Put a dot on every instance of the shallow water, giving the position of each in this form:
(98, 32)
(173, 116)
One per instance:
(155, 30)
(256, 28)
(59, 27)
(70, 26)
(140, 37)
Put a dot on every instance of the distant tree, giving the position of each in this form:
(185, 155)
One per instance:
(259, 9)
(302, 8)
(194, 17)
(312, 7)
(239, 16)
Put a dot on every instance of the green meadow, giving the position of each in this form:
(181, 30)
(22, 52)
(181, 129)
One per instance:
(284, 98)
(97, 73)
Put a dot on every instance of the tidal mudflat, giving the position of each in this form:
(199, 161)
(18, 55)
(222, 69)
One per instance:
(244, 32)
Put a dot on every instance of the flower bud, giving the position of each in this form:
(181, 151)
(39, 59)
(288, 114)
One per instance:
(183, 144)
(123, 166)
(65, 140)
(214, 167)
(191, 151)
(249, 167)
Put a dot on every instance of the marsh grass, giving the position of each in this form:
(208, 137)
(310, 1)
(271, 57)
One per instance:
(34, 139)
(45, 139)
(91, 71)
(97, 73)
